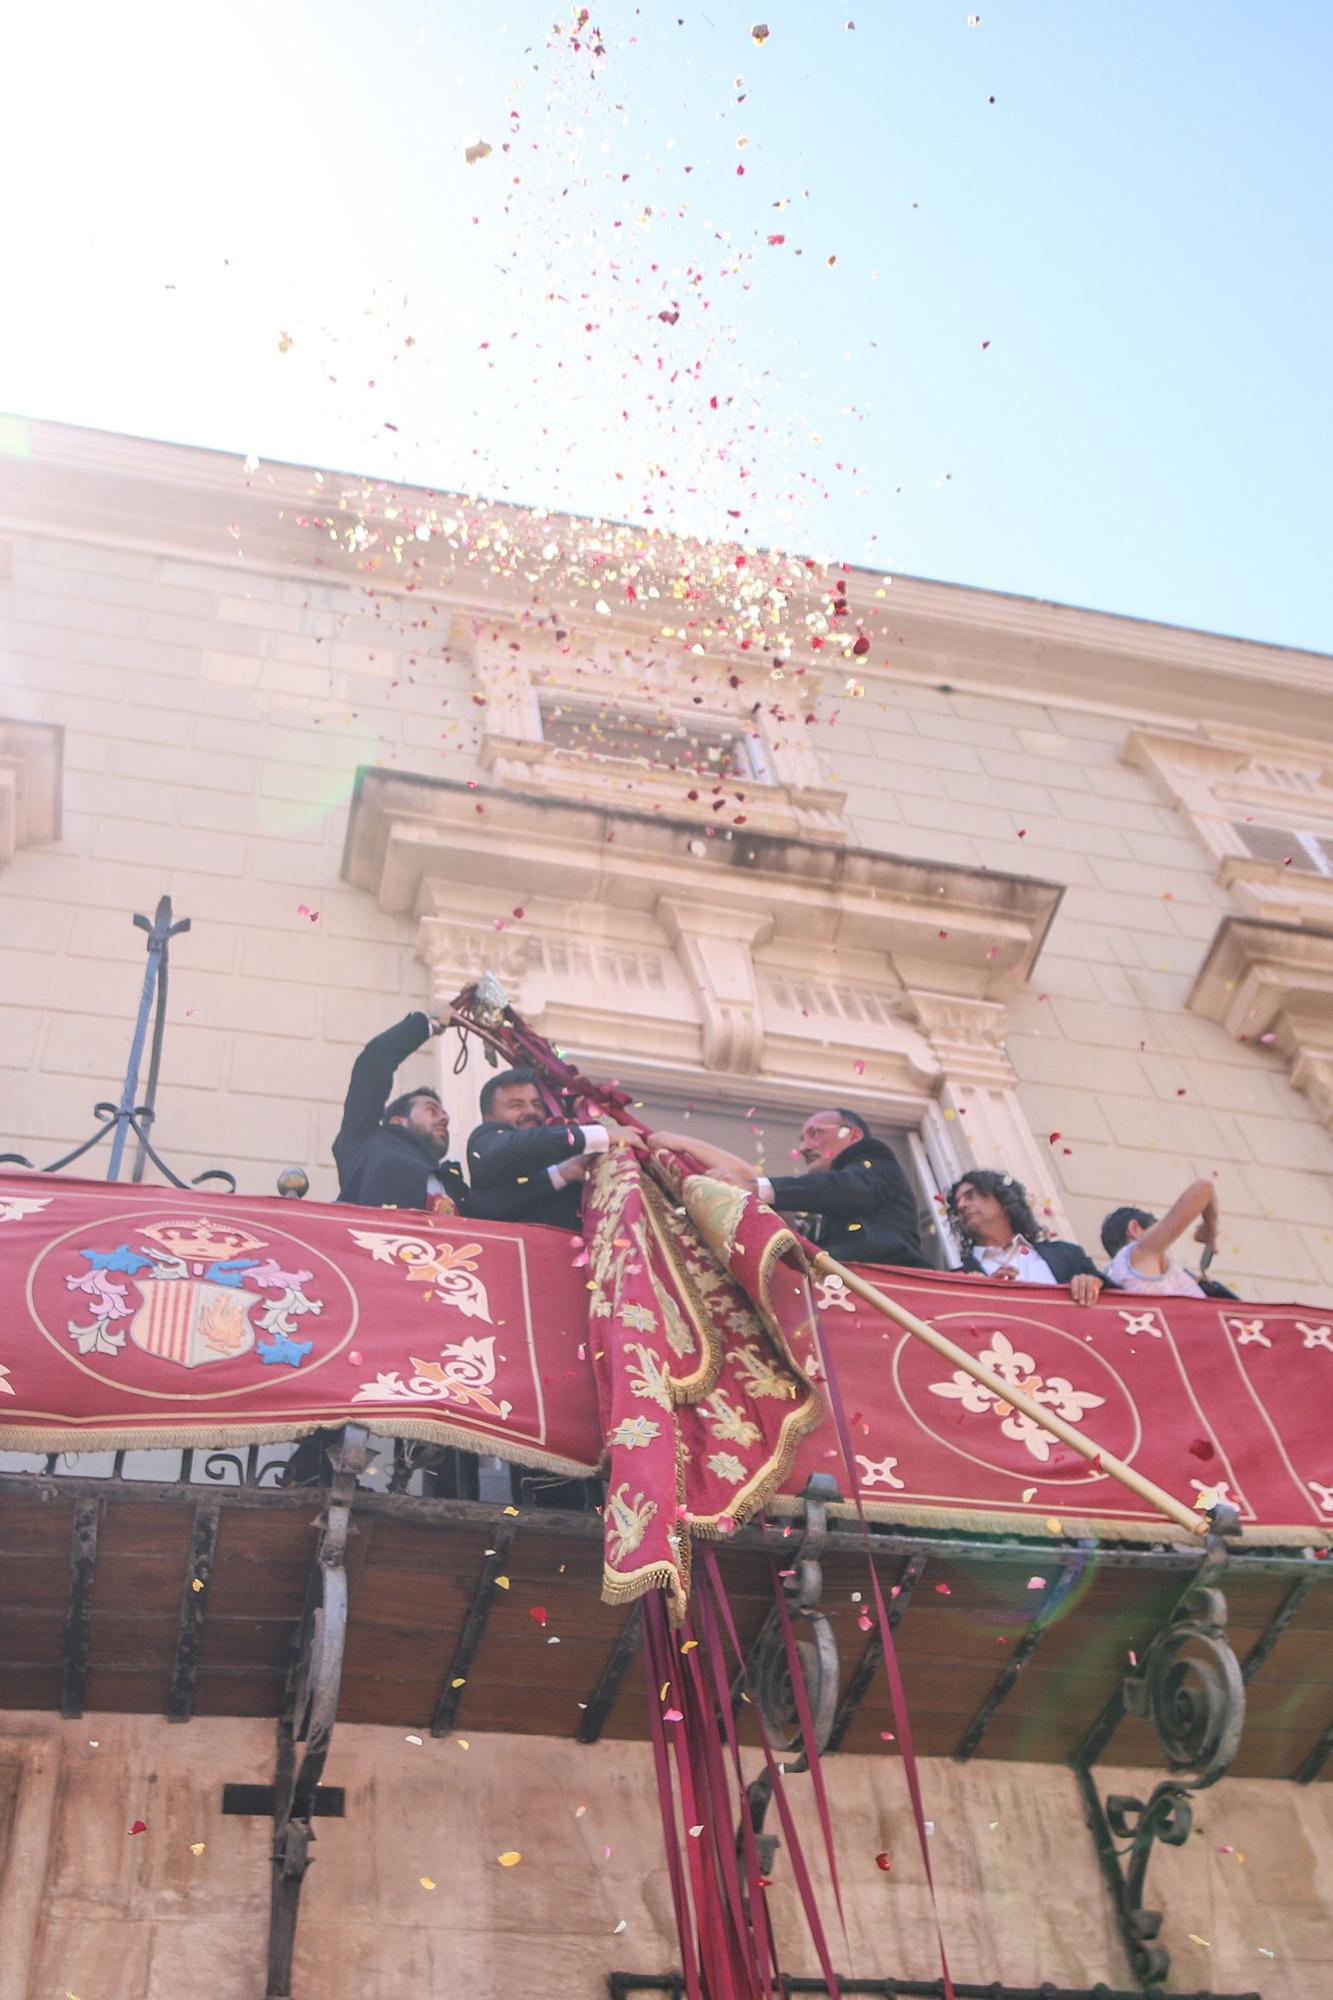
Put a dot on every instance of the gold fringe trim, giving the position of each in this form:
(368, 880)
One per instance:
(234, 1437)
(618, 1589)
(993, 1521)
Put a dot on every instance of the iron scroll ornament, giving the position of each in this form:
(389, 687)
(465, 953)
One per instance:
(770, 1667)
(1190, 1685)
(128, 1119)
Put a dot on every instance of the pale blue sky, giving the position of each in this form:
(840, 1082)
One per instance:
(1137, 225)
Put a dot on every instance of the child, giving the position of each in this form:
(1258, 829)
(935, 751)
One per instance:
(1137, 1243)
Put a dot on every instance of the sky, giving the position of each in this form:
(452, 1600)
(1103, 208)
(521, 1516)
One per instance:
(1035, 299)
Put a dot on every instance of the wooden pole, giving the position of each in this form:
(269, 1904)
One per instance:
(1175, 1510)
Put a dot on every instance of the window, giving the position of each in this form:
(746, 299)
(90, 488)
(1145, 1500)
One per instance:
(766, 1135)
(1308, 853)
(696, 747)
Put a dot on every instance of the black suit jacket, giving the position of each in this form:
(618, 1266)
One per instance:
(862, 1207)
(507, 1167)
(386, 1166)
(1063, 1260)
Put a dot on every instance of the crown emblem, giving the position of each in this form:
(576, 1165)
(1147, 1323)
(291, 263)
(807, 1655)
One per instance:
(198, 1237)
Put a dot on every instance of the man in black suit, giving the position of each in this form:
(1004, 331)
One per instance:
(857, 1201)
(1000, 1237)
(524, 1166)
(392, 1155)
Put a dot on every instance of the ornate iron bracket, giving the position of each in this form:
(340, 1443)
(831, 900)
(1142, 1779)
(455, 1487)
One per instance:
(120, 1121)
(309, 1708)
(1189, 1683)
(769, 1671)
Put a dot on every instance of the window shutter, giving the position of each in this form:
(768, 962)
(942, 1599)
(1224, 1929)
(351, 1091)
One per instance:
(1276, 843)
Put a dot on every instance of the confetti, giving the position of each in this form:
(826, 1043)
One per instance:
(695, 1831)
(673, 1715)
(196, 1583)
(1029, 1493)
(426, 1882)
(510, 1858)
(537, 1612)
(619, 1928)
(140, 1826)
(478, 150)
(197, 1846)
(883, 1861)
(502, 1583)
(1036, 1583)
(760, 33)
(413, 1739)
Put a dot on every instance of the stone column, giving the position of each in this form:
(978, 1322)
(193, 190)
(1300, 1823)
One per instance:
(978, 1097)
(716, 950)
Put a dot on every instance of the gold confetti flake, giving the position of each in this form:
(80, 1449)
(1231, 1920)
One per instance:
(510, 1858)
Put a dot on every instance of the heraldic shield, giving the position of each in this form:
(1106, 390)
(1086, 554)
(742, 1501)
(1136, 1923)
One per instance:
(190, 1321)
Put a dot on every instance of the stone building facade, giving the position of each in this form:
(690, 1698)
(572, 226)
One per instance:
(1035, 887)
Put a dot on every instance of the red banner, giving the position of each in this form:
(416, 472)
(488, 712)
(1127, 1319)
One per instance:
(143, 1316)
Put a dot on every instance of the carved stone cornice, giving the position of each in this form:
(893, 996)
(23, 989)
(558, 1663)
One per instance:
(966, 1035)
(943, 929)
(716, 950)
(31, 765)
(343, 528)
(1273, 983)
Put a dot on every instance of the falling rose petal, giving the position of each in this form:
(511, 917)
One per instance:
(695, 1831)
(354, 1359)
(1055, 1525)
(1036, 1583)
(478, 150)
(1202, 1449)
(887, 1736)
(859, 1066)
(140, 1826)
(943, 1590)
(759, 34)
(197, 1846)
(673, 1715)
(537, 1612)
(517, 913)
(883, 1861)
(426, 1882)
(864, 1622)
(619, 1928)
(413, 1739)
(510, 1858)
(1054, 1139)
(1029, 1493)
(502, 1583)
